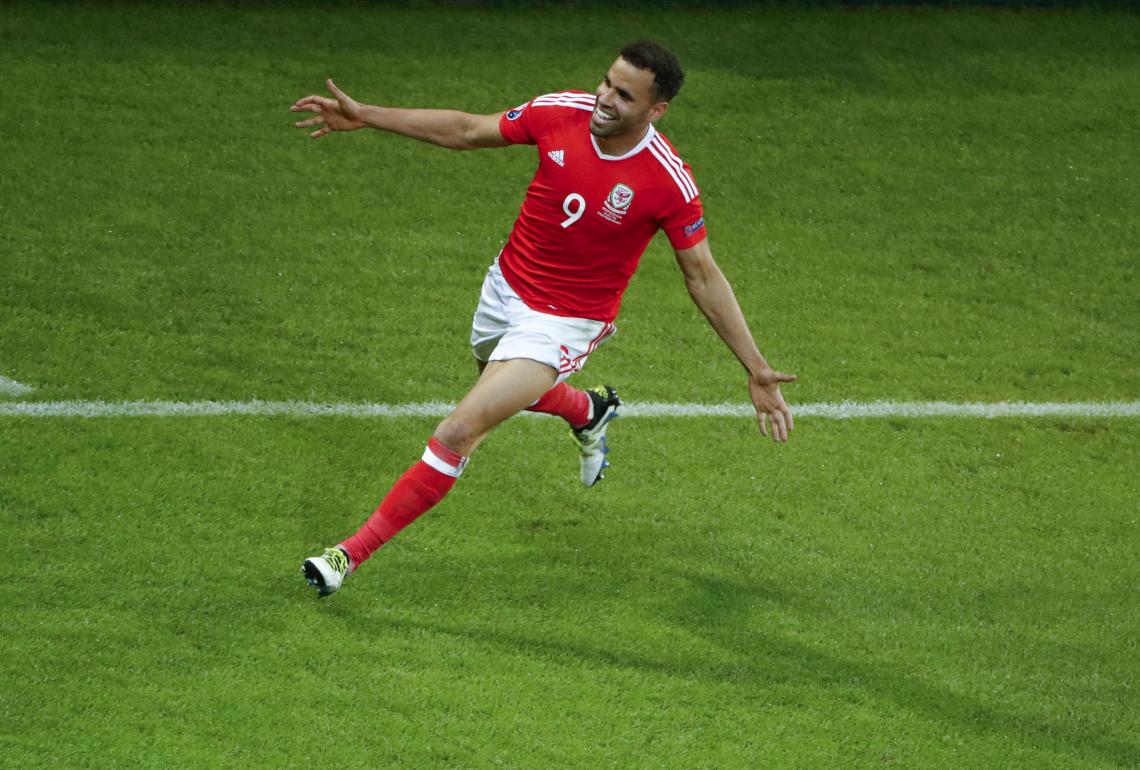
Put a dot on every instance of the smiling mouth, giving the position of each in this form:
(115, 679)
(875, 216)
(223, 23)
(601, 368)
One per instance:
(603, 117)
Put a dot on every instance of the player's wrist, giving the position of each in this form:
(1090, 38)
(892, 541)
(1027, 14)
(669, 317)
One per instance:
(371, 116)
(756, 366)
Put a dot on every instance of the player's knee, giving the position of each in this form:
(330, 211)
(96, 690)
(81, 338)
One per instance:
(458, 434)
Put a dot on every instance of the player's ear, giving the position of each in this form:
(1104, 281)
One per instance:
(657, 110)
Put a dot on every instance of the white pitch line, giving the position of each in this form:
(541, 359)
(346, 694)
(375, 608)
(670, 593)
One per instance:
(12, 388)
(850, 410)
(847, 410)
(220, 409)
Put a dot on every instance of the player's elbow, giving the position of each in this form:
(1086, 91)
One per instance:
(696, 283)
(697, 276)
(458, 131)
(481, 131)
(705, 282)
(454, 139)
(466, 143)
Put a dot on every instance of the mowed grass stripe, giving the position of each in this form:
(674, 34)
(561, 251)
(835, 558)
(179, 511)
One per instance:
(845, 410)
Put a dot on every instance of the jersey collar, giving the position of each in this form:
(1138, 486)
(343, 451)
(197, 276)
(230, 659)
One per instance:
(649, 134)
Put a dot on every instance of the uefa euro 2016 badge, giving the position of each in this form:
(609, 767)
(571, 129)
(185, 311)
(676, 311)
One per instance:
(617, 203)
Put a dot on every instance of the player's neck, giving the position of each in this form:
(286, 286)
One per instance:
(616, 146)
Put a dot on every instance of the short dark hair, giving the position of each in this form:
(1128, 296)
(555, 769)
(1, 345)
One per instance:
(651, 55)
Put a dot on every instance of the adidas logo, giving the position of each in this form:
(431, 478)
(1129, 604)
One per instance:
(558, 156)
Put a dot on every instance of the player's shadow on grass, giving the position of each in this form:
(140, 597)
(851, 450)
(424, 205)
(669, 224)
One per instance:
(767, 661)
(770, 659)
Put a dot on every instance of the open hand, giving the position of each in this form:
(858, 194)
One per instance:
(764, 387)
(339, 114)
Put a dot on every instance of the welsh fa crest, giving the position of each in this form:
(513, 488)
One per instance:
(621, 196)
(617, 203)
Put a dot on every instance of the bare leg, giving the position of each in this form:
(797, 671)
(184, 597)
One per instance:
(504, 389)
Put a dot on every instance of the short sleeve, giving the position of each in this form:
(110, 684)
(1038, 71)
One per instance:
(515, 125)
(685, 224)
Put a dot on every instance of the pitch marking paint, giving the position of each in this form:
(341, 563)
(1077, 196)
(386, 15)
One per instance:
(847, 410)
(9, 387)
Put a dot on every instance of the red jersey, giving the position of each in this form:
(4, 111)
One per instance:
(588, 217)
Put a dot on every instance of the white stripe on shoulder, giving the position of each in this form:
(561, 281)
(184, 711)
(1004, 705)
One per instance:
(565, 99)
(675, 167)
(564, 103)
(566, 95)
(672, 160)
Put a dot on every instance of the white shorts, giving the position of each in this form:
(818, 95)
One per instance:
(504, 328)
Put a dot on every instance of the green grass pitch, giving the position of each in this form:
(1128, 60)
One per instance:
(912, 205)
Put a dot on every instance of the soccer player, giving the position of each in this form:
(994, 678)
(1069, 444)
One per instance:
(607, 180)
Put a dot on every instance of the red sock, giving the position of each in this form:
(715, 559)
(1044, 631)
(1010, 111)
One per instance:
(421, 487)
(571, 404)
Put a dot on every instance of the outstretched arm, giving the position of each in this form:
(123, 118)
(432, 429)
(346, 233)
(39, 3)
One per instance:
(712, 293)
(447, 128)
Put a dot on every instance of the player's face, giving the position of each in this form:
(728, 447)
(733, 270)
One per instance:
(626, 102)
